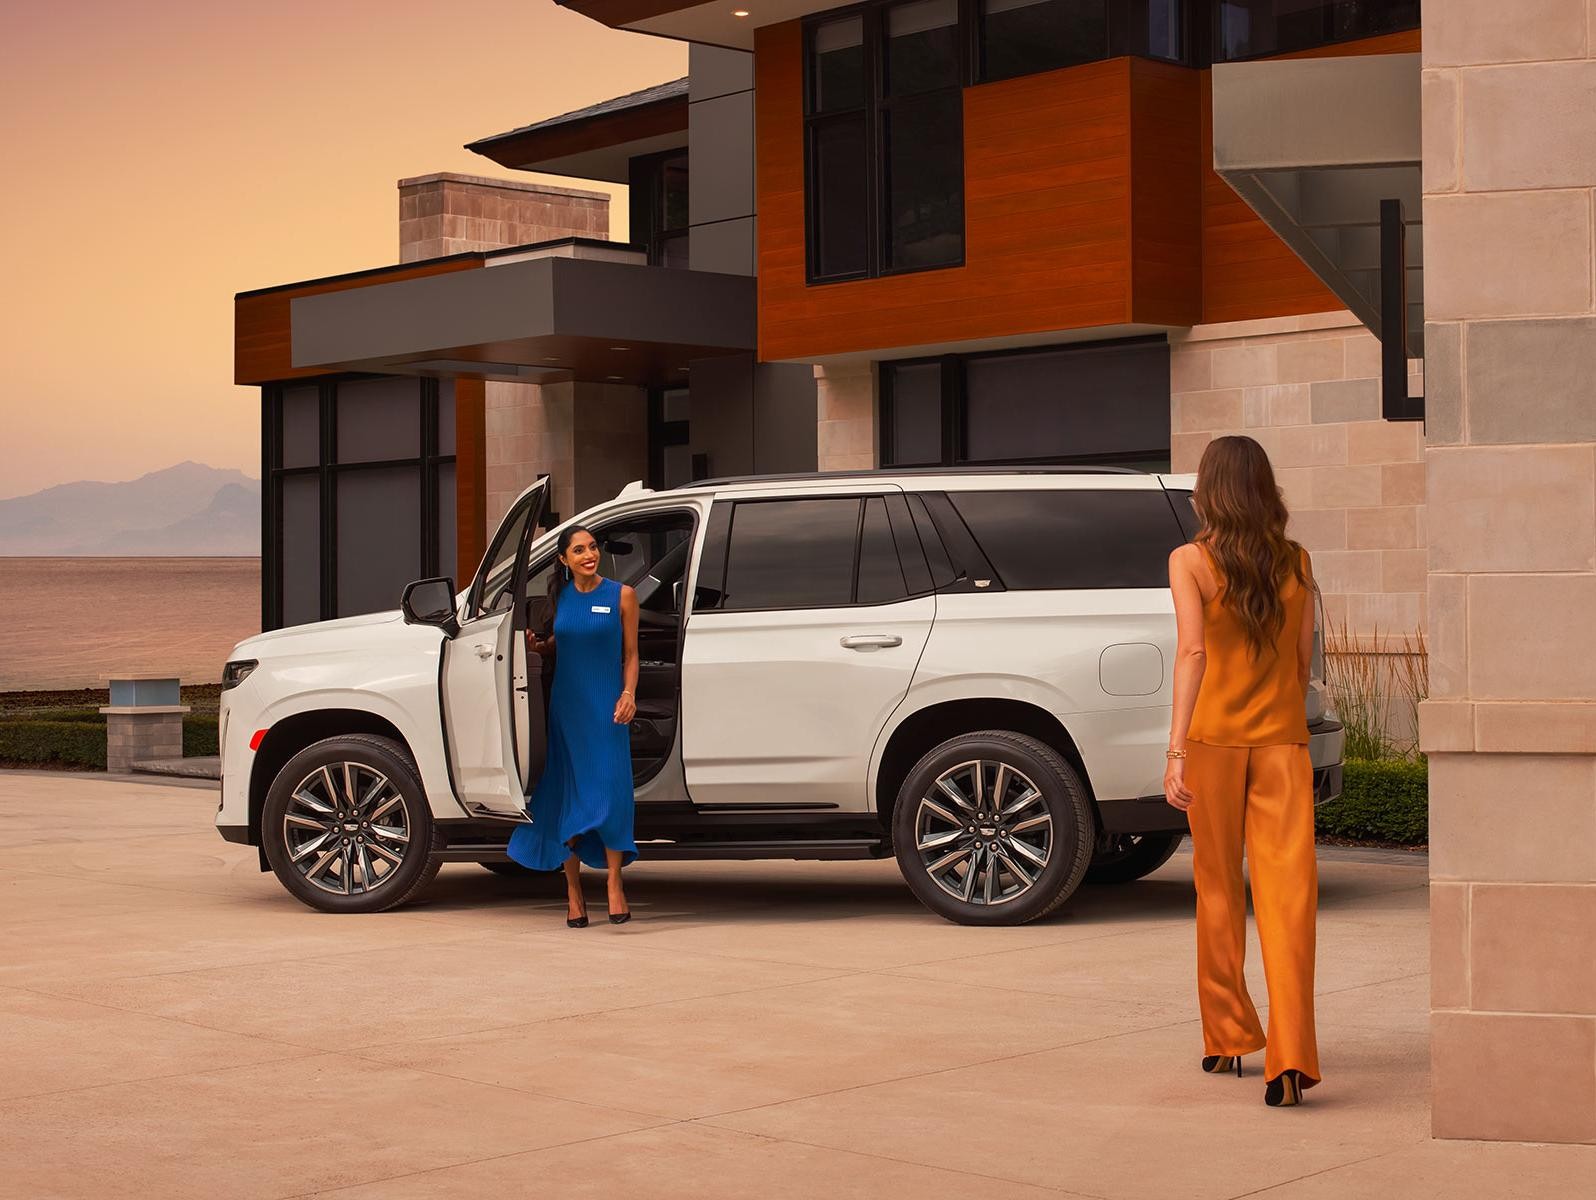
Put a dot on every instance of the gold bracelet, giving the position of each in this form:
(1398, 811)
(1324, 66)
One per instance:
(1174, 754)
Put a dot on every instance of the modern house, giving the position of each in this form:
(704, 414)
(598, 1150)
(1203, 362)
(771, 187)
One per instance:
(997, 231)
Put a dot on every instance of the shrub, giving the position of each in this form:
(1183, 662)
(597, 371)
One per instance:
(76, 738)
(199, 735)
(53, 743)
(1382, 801)
(1376, 684)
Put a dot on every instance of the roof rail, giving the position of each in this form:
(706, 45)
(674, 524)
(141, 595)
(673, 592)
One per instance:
(916, 472)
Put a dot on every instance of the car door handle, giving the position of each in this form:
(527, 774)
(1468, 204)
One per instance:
(871, 641)
(483, 651)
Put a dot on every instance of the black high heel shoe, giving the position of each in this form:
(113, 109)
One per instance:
(578, 922)
(620, 918)
(1220, 1064)
(1284, 1090)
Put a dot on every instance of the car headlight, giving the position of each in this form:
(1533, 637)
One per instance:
(235, 672)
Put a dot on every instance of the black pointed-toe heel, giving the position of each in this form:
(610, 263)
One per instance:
(577, 922)
(1220, 1064)
(621, 918)
(1284, 1090)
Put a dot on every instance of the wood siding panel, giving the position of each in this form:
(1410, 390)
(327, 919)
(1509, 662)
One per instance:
(1090, 200)
(261, 326)
(1047, 161)
(1248, 272)
(1166, 196)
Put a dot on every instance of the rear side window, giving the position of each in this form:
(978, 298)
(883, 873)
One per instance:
(1066, 540)
(825, 552)
(792, 554)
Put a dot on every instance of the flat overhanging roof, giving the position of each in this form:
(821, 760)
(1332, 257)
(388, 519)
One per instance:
(714, 24)
(1313, 146)
(531, 317)
(599, 141)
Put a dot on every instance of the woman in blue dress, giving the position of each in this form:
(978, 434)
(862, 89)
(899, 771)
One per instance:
(582, 806)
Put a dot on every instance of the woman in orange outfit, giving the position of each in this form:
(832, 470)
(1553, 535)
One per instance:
(1239, 765)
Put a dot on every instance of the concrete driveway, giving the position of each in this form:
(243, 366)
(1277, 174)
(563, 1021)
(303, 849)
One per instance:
(172, 1024)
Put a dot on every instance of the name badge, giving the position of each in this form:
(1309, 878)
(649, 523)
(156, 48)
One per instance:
(601, 608)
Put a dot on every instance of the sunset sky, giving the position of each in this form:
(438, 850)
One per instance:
(160, 157)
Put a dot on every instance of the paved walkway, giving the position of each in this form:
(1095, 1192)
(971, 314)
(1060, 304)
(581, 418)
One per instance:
(173, 1025)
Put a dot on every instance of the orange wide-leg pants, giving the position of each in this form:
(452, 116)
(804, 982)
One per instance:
(1260, 796)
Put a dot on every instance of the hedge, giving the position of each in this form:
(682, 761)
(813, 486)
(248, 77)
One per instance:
(31, 743)
(199, 736)
(1386, 801)
(75, 738)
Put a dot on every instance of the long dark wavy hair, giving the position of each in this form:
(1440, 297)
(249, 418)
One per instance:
(1244, 528)
(558, 578)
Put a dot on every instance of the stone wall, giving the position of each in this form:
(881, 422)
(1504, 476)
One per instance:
(446, 213)
(845, 409)
(1307, 389)
(1510, 337)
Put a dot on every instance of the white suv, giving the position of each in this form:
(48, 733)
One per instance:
(968, 670)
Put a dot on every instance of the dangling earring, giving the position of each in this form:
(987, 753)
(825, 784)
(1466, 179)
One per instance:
(565, 573)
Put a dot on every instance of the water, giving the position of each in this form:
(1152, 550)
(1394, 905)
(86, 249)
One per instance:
(74, 622)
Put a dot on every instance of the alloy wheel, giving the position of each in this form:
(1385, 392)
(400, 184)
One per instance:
(346, 829)
(983, 832)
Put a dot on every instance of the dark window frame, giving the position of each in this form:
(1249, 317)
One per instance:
(875, 106)
(326, 471)
(646, 204)
(1215, 40)
(955, 412)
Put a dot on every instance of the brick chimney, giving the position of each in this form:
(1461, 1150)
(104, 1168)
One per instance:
(451, 214)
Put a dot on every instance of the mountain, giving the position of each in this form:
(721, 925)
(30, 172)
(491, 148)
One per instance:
(189, 509)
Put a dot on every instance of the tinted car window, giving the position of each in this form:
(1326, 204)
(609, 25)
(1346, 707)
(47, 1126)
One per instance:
(792, 554)
(880, 571)
(1186, 512)
(1049, 540)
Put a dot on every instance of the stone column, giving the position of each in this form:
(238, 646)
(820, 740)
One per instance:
(1510, 337)
(143, 721)
(845, 401)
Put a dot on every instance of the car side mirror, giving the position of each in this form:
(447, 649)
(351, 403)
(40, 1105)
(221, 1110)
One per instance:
(430, 602)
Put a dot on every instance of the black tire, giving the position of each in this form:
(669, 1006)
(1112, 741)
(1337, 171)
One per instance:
(1061, 795)
(288, 826)
(1132, 856)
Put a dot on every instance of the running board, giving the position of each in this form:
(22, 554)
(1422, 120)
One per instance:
(831, 848)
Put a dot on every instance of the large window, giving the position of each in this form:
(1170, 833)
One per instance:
(885, 136)
(1095, 403)
(360, 494)
(1258, 28)
(657, 185)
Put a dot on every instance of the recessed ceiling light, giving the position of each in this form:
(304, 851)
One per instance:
(620, 347)
(613, 378)
(739, 12)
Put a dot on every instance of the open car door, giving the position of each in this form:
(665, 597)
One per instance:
(492, 686)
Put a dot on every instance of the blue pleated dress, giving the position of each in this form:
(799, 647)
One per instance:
(585, 792)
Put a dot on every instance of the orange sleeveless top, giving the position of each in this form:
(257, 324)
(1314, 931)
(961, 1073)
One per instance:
(1247, 701)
